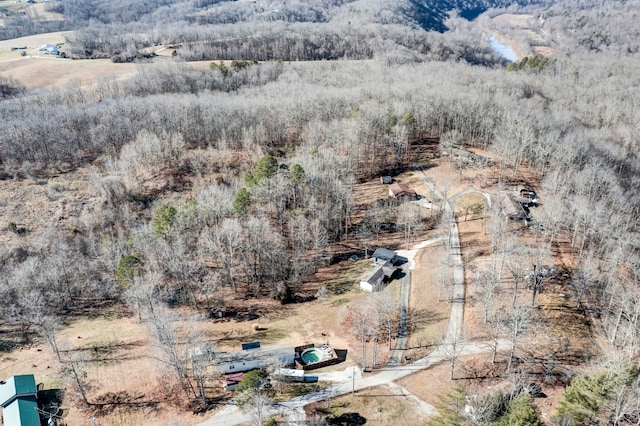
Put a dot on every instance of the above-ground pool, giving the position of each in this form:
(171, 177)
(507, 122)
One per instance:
(311, 355)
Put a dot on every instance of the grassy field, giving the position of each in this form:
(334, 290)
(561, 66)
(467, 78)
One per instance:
(382, 405)
(35, 41)
(36, 70)
(50, 71)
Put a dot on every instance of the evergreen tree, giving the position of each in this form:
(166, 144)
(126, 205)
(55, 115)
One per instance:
(266, 168)
(163, 220)
(128, 267)
(521, 412)
(241, 201)
(585, 396)
(450, 408)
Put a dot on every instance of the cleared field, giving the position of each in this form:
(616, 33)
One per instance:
(48, 71)
(51, 71)
(35, 40)
(514, 20)
(41, 13)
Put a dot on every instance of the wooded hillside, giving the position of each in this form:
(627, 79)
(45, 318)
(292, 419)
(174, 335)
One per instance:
(179, 187)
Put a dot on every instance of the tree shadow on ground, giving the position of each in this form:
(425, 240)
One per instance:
(49, 401)
(260, 334)
(420, 318)
(106, 403)
(347, 419)
(481, 369)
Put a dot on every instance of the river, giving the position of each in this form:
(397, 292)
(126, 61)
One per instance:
(503, 50)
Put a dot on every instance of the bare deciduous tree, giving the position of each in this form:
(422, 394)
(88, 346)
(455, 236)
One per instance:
(387, 310)
(516, 322)
(164, 329)
(516, 257)
(487, 284)
(358, 321)
(452, 347)
(74, 366)
(258, 408)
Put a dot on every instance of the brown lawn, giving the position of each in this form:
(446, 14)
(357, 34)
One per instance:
(429, 304)
(117, 363)
(375, 406)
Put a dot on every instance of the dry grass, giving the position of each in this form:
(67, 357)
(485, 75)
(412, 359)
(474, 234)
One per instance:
(48, 71)
(514, 20)
(35, 41)
(469, 207)
(39, 10)
(377, 406)
(429, 315)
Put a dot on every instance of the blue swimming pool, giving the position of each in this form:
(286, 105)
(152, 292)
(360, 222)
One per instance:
(311, 355)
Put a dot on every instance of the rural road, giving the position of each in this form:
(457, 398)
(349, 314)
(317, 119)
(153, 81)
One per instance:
(293, 409)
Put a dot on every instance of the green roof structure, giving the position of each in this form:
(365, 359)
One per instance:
(18, 401)
(22, 411)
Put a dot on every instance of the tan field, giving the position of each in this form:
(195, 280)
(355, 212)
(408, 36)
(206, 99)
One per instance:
(34, 41)
(36, 69)
(43, 71)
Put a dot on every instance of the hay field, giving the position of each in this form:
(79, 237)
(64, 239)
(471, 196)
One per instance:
(48, 71)
(35, 41)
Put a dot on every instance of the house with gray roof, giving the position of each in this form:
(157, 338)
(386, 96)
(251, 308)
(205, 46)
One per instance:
(383, 255)
(251, 359)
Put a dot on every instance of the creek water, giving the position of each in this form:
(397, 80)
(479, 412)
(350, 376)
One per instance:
(502, 49)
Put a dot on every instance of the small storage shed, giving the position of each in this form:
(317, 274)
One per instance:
(232, 381)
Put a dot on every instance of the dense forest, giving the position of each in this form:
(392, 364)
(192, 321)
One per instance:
(286, 141)
(125, 18)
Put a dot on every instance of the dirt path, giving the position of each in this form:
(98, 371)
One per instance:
(423, 409)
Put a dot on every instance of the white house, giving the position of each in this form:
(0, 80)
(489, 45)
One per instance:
(373, 280)
(251, 359)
